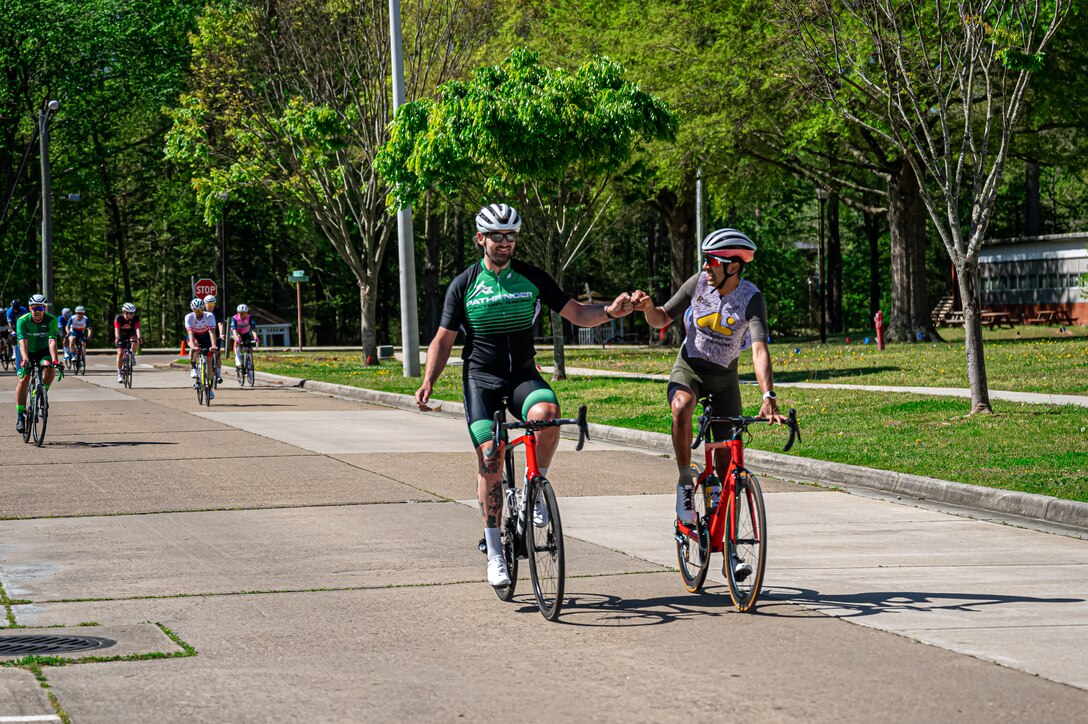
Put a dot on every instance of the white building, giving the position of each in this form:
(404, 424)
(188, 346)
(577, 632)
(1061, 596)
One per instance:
(1026, 276)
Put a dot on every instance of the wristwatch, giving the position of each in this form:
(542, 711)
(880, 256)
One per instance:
(770, 395)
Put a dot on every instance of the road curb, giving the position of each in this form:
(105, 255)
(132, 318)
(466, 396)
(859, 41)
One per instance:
(788, 467)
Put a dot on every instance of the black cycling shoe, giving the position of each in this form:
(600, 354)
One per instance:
(19, 426)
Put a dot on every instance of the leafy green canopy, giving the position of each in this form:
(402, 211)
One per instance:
(521, 123)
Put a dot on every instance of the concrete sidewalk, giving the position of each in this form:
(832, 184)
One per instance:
(285, 555)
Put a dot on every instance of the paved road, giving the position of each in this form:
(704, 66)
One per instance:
(314, 554)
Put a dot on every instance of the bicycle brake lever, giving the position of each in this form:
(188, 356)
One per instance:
(795, 430)
(493, 452)
(583, 428)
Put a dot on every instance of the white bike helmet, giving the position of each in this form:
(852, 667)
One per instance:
(729, 244)
(498, 217)
(128, 307)
(196, 304)
(66, 311)
(242, 309)
(37, 299)
(80, 310)
(210, 299)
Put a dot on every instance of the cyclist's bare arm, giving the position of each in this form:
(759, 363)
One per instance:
(593, 315)
(761, 361)
(438, 354)
(656, 316)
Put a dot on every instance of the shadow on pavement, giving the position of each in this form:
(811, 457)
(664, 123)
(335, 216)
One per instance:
(869, 603)
(112, 443)
(593, 610)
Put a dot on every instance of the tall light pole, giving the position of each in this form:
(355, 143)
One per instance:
(699, 219)
(47, 200)
(221, 227)
(821, 194)
(409, 322)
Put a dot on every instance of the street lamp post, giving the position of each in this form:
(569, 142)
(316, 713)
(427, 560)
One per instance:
(821, 194)
(221, 228)
(409, 322)
(47, 200)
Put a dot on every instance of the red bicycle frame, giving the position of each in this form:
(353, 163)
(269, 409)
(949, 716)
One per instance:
(717, 520)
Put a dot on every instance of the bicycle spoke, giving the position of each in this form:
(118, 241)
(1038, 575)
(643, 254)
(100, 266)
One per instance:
(546, 557)
(746, 543)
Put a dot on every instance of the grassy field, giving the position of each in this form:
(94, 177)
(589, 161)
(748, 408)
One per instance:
(1041, 359)
(1032, 448)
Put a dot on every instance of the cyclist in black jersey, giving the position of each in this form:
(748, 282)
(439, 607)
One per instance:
(495, 302)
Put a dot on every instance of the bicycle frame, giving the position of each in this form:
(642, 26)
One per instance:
(717, 517)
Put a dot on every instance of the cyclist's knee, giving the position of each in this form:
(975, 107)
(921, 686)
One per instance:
(544, 411)
(682, 404)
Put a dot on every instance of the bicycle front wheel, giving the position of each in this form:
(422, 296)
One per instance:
(745, 543)
(240, 372)
(693, 547)
(509, 530)
(128, 371)
(41, 415)
(199, 383)
(249, 368)
(547, 564)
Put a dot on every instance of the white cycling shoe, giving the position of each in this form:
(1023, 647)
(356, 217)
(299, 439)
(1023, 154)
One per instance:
(741, 570)
(497, 575)
(192, 372)
(685, 507)
(540, 511)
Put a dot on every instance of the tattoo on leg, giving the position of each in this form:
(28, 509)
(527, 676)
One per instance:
(494, 506)
(489, 467)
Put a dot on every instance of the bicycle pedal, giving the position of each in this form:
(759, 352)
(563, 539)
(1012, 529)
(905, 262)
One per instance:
(482, 545)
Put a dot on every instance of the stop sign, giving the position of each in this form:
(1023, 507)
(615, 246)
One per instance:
(204, 287)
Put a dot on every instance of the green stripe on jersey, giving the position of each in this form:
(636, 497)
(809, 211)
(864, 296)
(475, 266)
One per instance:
(503, 302)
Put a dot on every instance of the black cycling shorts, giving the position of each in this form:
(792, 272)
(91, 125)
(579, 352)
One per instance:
(484, 397)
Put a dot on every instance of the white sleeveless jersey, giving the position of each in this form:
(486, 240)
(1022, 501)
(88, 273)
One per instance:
(201, 325)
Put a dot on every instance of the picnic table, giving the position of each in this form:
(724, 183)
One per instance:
(1050, 316)
(998, 319)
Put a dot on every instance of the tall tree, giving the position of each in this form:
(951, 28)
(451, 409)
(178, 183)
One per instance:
(553, 139)
(943, 82)
(293, 97)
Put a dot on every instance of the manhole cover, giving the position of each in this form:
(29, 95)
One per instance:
(27, 645)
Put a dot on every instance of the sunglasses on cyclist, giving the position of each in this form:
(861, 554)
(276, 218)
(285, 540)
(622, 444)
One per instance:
(499, 236)
(713, 261)
(37, 307)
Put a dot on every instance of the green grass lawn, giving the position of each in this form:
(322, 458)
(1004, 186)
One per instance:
(1032, 448)
(1041, 360)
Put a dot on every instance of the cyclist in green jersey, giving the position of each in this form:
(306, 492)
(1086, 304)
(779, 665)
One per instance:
(37, 333)
(495, 302)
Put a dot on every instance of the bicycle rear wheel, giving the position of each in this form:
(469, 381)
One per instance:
(547, 564)
(249, 367)
(693, 549)
(508, 528)
(745, 542)
(41, 415)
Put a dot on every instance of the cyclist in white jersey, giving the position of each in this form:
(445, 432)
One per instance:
(722, 316)
(201, 328)
(79, 328)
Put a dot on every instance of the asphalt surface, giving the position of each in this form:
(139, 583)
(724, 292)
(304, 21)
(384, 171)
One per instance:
(287, 556)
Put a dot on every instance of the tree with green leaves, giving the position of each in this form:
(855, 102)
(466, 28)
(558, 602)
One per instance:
(292, 98)
(553, 139)
(943, 83)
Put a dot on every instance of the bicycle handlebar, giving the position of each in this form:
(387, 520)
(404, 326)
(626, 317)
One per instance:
(743, 422)
(498, 426)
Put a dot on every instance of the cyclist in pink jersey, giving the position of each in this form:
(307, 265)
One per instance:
(244, 331)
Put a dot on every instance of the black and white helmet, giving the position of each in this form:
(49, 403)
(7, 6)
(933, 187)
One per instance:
(729, 244)
(196, 304)
(80, 310)
(128, 307)
(498, 217)
(36, 300)
(242, 309)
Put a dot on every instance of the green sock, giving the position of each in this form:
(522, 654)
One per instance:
(19, 410)
(46, 387)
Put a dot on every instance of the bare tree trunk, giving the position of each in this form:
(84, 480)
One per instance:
(907, 221)
(431, 300)
(1033, 223)
(834, 265)
(679, 212)
(368, 303)
(967, 277)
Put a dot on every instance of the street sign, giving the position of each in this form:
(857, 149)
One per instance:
(298, 278)
(298, 273)
(204, 287)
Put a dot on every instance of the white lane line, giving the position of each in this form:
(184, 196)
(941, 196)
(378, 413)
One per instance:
(33, 717)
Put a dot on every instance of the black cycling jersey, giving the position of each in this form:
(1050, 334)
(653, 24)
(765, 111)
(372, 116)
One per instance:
(497, 311)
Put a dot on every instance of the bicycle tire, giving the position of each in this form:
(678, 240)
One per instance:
(547, 562)
(209, 382)
(240, 372)
(199, 385)
(41, 415)
(508, 528)
(746, 540)
(4, 356)
(250, 372)
(693, 552)
(28, 417)
(128, 370)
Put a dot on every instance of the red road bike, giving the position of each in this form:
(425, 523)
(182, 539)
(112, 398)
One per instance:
(737, 529)
(521, 536)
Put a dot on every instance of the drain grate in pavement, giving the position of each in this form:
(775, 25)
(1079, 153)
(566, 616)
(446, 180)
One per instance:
(27, 645)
